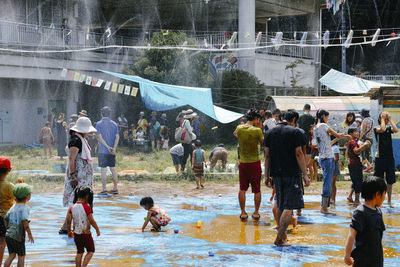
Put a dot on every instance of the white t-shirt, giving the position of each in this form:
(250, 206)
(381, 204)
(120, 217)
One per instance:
(177, 150)
(323, 141)
(80, 212)
(270, 123)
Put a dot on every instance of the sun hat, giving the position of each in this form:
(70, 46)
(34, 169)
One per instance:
(189, 114)
(359, 119)
(22, 190)
(83, 125)
(5, 163)
(141, 113)
(83, 113)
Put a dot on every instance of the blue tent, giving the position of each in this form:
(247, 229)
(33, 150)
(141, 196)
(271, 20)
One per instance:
(160, 97)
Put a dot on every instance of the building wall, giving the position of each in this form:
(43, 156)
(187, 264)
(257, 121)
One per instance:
(271, 71)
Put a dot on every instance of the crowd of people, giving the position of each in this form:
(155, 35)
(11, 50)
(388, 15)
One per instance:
(292, 145)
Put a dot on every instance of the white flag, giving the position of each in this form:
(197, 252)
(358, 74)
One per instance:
(82, 78)
(88, 80)
(64, 73)
(107, 86)
(127, 90)
(99, 82)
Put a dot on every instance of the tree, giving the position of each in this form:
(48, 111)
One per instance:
(171, 66)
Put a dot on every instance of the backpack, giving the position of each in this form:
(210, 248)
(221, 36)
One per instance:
(182, 135)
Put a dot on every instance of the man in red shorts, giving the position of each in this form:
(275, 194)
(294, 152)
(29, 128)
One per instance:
(249, 137)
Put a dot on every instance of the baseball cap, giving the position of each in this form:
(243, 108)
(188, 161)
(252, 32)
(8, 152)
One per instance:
(22, 190)
(5, 163)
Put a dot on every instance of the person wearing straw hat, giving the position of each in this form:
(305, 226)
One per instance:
(80, 167)
(108, 137)
(188, 148)
(83, 113)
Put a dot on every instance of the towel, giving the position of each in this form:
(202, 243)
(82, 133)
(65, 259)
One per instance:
(85, 149)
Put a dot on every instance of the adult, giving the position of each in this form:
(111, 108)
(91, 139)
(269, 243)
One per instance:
(66, 30)
(163, 120)
(384, 159)
(196, 126)
(284, 160)
(61, 132)
(269, 122)
(350, 121)
(186, 124)
(218, 153)
(80, 168)
(179, 118)
(367, 128)
(176, 153)
(306, 122)
(123, 129)
(154, 131)
(322, 139)
(142, 122)
(249, 137)
(108, 137)
(83, 113)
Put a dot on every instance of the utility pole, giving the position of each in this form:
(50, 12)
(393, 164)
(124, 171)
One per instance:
(343, 39)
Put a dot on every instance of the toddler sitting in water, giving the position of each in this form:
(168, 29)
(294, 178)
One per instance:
(155, 215)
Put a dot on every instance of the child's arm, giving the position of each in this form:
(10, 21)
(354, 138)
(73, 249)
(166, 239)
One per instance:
(204, 158)
(337, 157)
(69, 220)
(361, 148)
(149, 214)
(93, 223)
(28, 230)
(40, 134)
(349, 246)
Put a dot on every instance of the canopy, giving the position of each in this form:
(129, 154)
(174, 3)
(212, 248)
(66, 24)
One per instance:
(347, 84)
(160, 97)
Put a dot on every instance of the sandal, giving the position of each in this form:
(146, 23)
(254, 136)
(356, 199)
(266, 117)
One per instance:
(62, 232)
(243, 219)
(114, 191)
(256, 217)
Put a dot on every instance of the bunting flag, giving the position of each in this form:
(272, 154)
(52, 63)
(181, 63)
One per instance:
(375, 37)
(303, 38)
(258, 38)
(88, 80)
(99, 82)
(70, 75)
(107, 86)
(325, 38)
(114, 87)
(347, 43)
(64, 73)
(127, 90)
(94, 81)
(134, 91)
(120, 89)
(76, 76)
(82, 78)
(278, 40)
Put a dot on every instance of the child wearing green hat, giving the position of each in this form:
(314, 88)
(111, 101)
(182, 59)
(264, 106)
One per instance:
(17, 221)
(6, 200)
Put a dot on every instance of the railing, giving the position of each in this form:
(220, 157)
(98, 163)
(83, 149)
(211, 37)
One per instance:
(390, 79)
(12, 33)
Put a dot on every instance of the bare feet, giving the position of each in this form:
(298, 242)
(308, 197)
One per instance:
(349, 199)
(281, 243)
(327, 211)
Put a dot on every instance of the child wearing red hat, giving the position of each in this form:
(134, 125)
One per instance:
(6, 200)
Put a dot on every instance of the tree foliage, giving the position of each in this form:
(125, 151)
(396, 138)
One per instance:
(171, 66)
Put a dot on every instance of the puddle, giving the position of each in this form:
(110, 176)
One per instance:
(317, 241)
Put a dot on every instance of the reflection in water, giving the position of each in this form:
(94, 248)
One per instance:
(318, 241)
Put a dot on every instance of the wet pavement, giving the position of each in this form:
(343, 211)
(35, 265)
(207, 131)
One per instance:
(318, 240)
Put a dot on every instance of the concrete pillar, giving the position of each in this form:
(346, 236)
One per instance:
(247, 21)
(314, 26)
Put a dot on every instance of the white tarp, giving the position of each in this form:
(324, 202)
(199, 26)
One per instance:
(347, 84)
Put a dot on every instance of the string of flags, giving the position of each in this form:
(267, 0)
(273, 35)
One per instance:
(96, 82)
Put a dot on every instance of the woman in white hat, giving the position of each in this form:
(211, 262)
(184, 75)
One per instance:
(188, 148)
(80, 168)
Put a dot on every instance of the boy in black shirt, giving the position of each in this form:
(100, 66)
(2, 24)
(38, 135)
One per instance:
(367, 227)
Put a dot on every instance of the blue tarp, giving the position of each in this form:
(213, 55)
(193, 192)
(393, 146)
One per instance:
(160, 97)
(347, 84)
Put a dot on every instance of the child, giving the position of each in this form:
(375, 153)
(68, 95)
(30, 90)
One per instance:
(367, 227)
(140, 134)
(155, 215)
(164, 132)
(82, 215)
(17, 221)
(336, 169)
(47, 136)
(6, 200)
(176, 153)
(198, 161)
(355, 166)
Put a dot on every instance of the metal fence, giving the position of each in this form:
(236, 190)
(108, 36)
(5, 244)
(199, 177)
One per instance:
(12, 33)
(390, 79)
